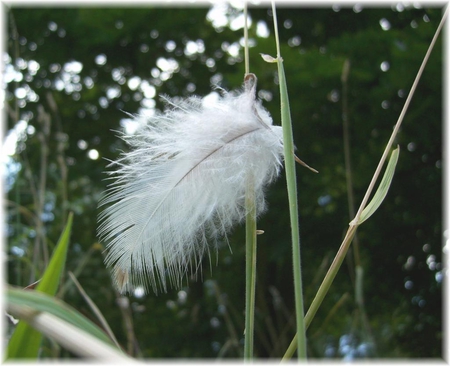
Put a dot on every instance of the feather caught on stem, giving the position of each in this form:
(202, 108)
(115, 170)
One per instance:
(182, 185)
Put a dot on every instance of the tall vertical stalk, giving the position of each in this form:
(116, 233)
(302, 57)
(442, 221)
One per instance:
(250, 238)
(250, 270)
(289, 160)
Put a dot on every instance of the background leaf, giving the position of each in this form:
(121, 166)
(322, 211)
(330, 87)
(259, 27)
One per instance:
(25, 341)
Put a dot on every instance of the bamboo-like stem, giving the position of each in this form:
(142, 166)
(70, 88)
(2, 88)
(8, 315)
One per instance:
(288, 142)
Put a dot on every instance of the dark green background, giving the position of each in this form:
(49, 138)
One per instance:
(403, 314)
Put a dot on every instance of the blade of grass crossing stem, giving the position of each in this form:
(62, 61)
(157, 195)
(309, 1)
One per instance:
(25, 341)
(250, 271)
(39, 302)
(289, 162)
(70, 336)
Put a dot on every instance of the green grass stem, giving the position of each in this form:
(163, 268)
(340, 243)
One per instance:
(289, 161)
(250, 271)
(250, 239)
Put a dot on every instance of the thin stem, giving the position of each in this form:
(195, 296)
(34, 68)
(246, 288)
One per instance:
(246, 55)
(250, 240)
(289, 159)
(250, 270)
(275, 25)
(94, 309)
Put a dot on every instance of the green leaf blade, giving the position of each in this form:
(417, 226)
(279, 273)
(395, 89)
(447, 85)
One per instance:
(50, 280)
(383, 188)
(25, 341)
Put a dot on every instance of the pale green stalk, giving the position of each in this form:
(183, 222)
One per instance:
(250, 241)
(289, 163)
(250, 270)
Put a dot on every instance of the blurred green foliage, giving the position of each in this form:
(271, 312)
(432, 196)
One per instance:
(64, 111)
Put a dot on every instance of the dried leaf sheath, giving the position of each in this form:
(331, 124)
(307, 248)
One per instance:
(182, 184)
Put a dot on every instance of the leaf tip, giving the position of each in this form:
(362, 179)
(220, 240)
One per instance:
(268, 58)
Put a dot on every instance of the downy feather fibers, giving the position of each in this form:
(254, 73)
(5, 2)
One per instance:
(181, 186)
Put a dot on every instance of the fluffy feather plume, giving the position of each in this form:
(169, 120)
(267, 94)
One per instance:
(183, 183)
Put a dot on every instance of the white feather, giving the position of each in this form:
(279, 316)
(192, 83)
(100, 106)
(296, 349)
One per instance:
(183, 184)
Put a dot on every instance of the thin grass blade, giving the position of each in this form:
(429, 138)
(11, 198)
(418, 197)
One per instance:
(94, 309)
(50, 280)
